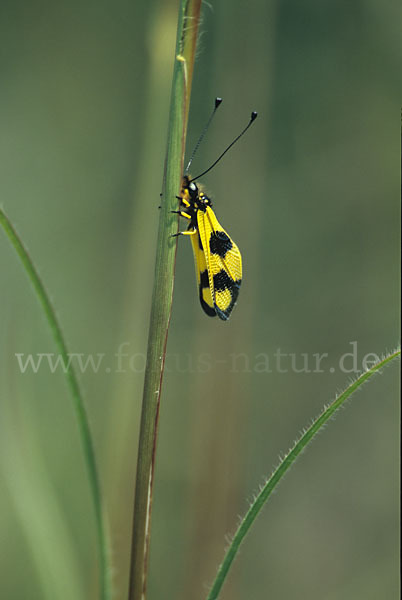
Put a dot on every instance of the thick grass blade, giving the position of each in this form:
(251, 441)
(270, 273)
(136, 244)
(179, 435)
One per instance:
(79, 407)
(286, 463)
(187, 29)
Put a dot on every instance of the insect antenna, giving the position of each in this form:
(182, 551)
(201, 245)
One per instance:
(252, 119)
(218, 101)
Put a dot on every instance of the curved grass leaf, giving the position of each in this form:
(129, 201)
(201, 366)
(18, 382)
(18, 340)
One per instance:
(79, 407)
(286, 463)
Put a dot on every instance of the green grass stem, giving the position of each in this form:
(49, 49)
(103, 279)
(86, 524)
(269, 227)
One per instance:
(187, 29)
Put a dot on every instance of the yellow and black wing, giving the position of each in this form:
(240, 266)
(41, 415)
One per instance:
(201, 272)
(223, 262)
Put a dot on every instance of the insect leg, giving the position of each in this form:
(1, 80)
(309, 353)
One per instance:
(181, 213)
(188, 232)
(183, 201)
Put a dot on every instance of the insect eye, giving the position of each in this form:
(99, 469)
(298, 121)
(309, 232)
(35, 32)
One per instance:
(192, 187)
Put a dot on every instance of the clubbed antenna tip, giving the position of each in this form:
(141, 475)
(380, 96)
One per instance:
(252, 119)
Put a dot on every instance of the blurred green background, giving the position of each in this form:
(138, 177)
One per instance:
(311, 196)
